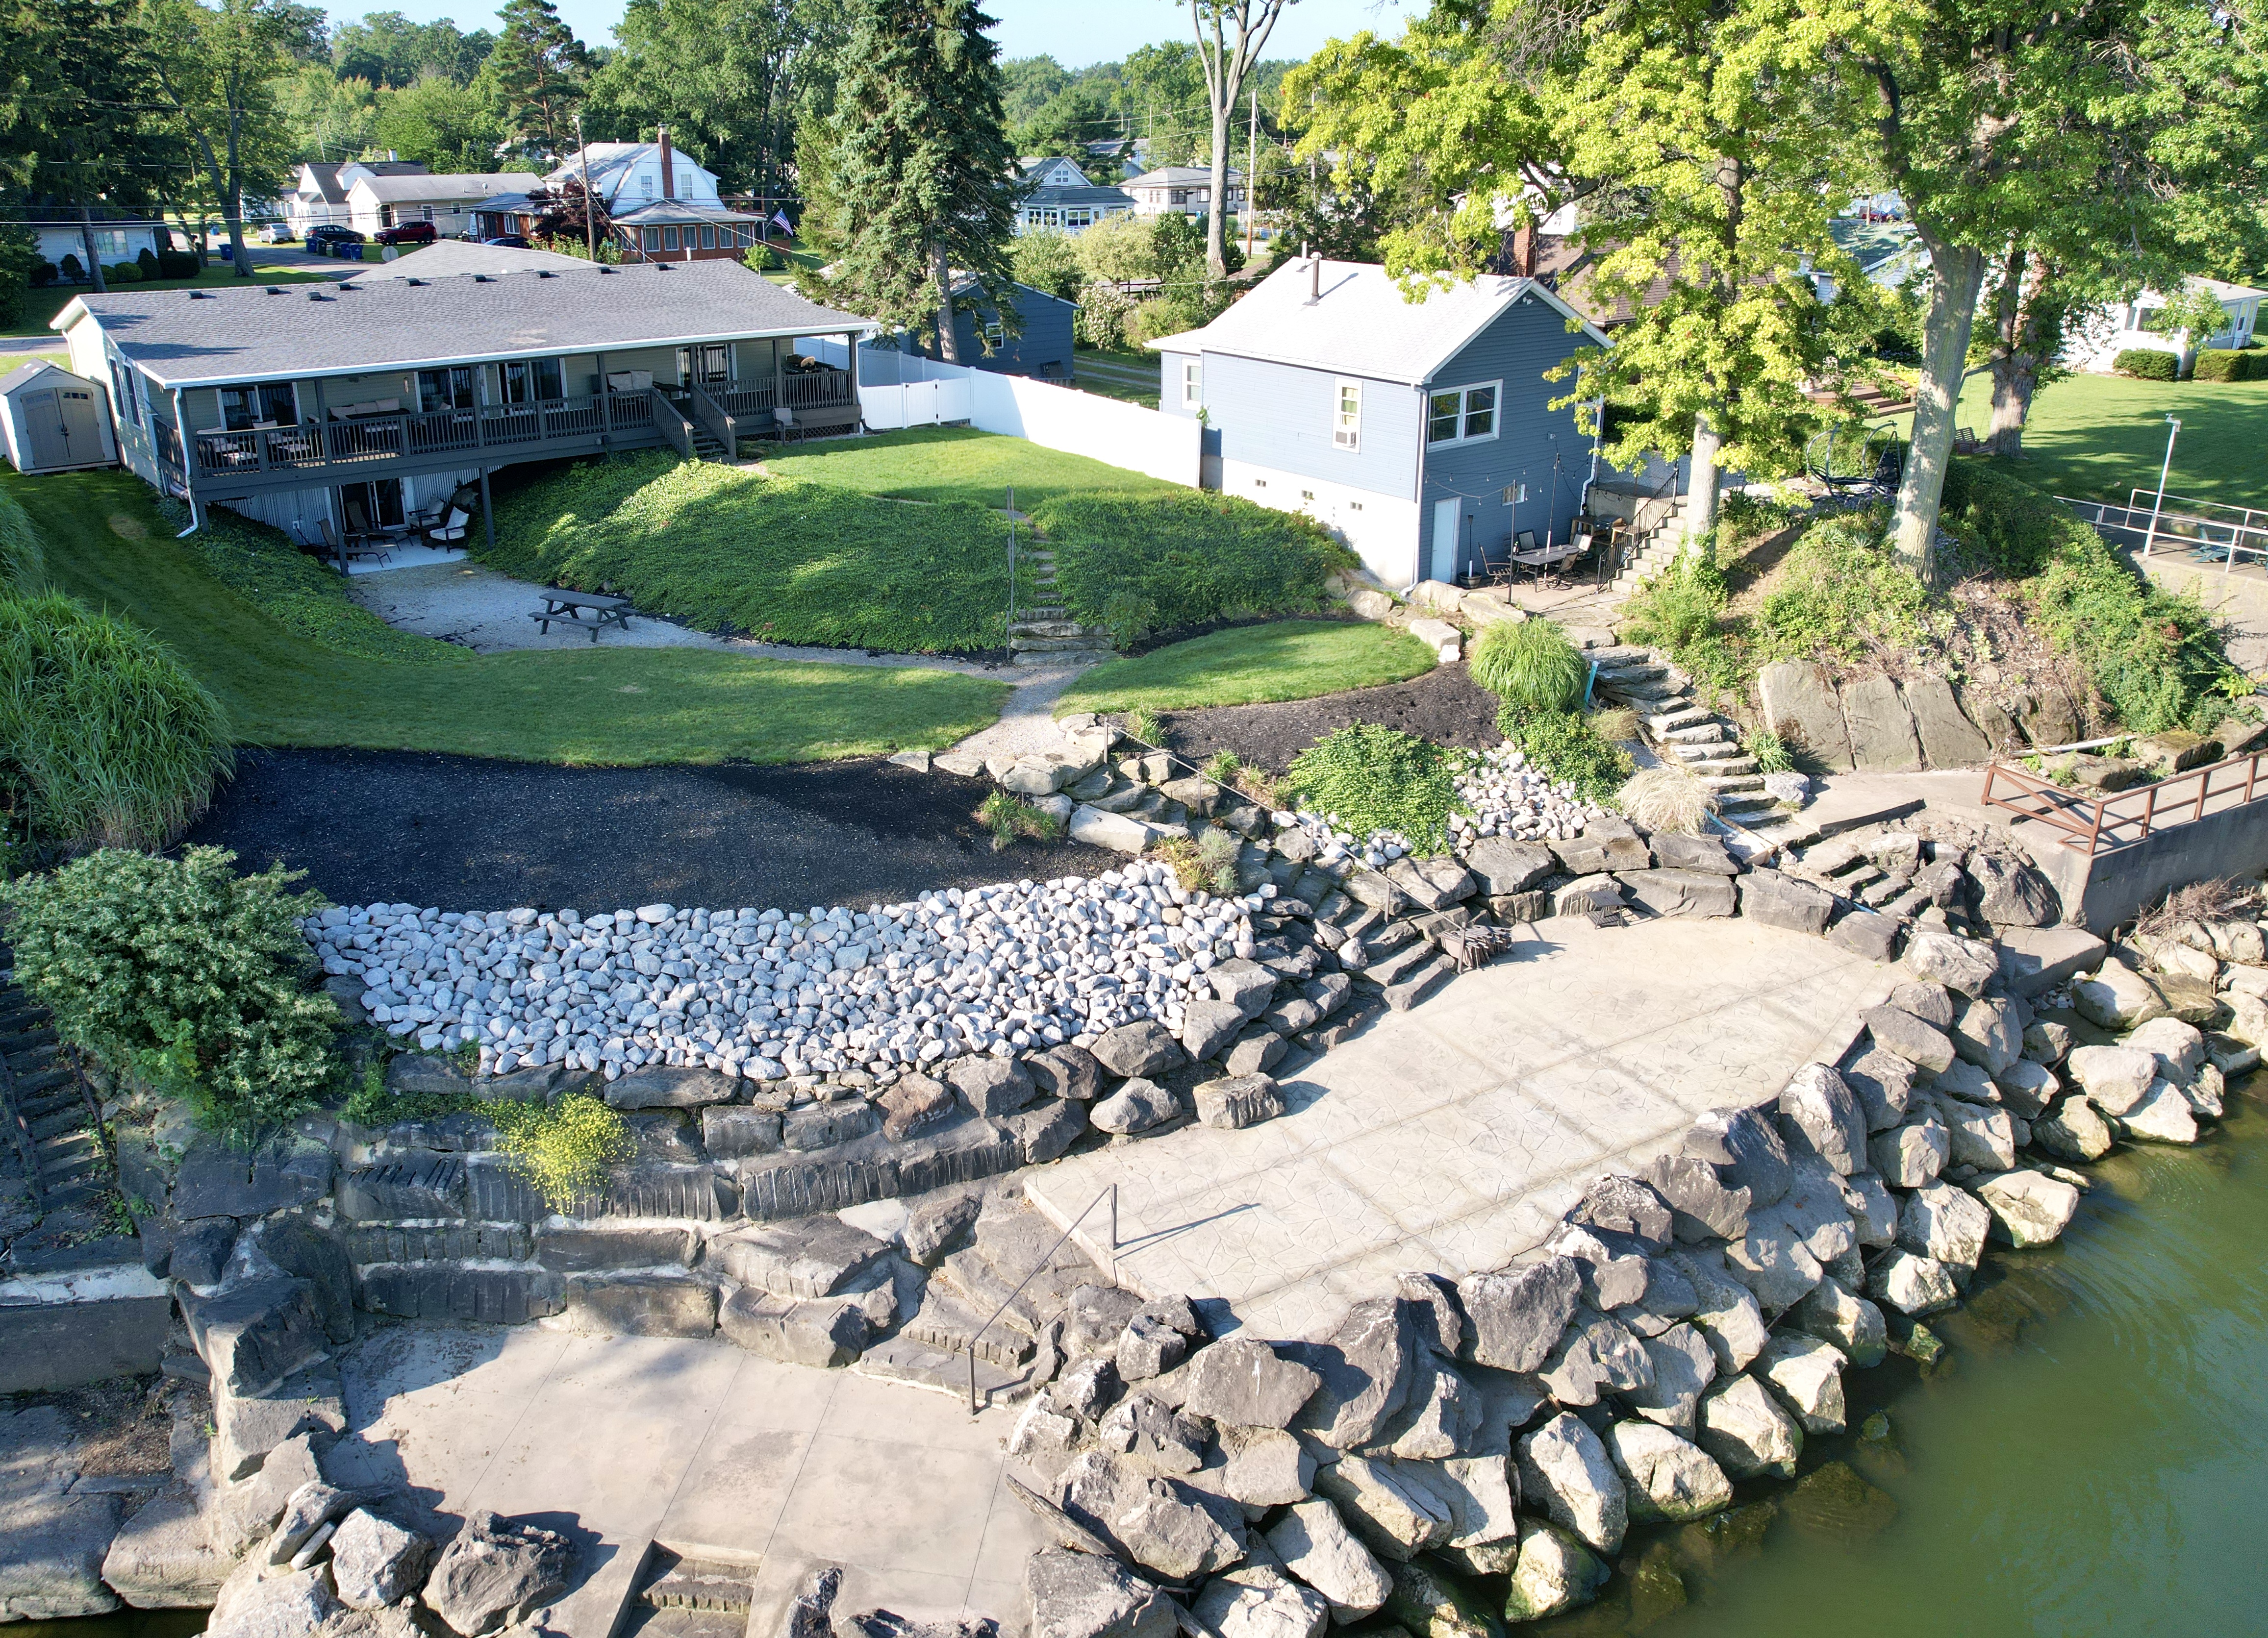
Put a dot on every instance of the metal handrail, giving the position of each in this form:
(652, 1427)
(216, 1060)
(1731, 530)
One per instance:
(2084, 820)
(1110, 1193)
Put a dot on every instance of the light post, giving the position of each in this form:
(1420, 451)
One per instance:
(2173, 431)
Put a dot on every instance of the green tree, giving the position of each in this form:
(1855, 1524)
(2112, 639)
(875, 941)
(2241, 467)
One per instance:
(1161, 96)
(386, 49)
(536, 79)
(921, 186)
(1231, 35)
(1048, 260)
(2077, 132)
(1027, 84)
(330, 117)
(721, 74)
(442, 125)
(215, 68)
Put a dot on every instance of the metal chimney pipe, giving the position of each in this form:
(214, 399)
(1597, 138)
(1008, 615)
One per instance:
(1315, 280)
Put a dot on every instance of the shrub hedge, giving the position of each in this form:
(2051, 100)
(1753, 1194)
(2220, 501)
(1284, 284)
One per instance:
(1150, 563)
(180, 970)
(2229, 363)
(777, 558)
(2147, 363)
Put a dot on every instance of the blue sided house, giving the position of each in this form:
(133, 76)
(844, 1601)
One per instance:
(1419, 431)
(1041, 347)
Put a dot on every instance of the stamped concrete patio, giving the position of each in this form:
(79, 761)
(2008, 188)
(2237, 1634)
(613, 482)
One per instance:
(620, 1441)
(1452, 1137)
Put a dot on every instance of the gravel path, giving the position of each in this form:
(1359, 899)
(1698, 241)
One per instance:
(469, 833)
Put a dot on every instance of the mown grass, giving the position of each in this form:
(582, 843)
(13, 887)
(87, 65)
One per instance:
(607, 705)
(783, 559)
(1291, 659)
(956, 464)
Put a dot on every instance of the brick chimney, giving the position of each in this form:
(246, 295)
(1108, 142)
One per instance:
(668, 175)
(1523, 251)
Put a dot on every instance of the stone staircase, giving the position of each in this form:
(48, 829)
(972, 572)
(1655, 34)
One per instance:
(1654, 550)
(54, 1126)
(1680, 730)
(1045, 633)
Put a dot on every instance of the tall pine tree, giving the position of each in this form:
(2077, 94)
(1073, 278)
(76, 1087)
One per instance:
(921, 179)
(536, 78)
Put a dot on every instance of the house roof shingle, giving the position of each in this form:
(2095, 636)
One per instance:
(448, 258)
(189, 338)
(1360, 324)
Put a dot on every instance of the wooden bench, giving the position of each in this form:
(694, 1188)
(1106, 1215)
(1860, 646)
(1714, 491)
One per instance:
(570, 608)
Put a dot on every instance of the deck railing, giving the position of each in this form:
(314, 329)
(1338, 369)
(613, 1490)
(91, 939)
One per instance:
(723, 425)
(2094, 822)
(816, 389)
(373, 439)
(672, 422)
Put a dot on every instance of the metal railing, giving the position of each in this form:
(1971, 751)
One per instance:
(1110, 1193)
(2215, 539)
(2093, 822)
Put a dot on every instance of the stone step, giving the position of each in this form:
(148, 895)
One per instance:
(1618, 676)
(1079, 640)
(1064, 656)
(1704, 733)
(1047, 629)
(946, 1323)
(43, 1081)
(49, 1102)
(1726, 784)
(1045, 611)
(67, 1118)
(1683, 716)
(66, 1149)
(1722, 767)
(1746, 802)
(906, 1359)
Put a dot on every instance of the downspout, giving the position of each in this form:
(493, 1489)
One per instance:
(188, 463)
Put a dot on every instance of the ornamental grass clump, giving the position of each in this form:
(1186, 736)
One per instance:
(564, 1148)
(1531, 665)
(1667, 797)
(1367, 779)
(106, 739)
(184, 973)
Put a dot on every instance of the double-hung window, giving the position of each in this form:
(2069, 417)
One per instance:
(1346, 416)
(1461, 414)
(1192, 381)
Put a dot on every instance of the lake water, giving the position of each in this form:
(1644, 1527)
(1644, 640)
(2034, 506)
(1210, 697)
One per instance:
(2090, 1456)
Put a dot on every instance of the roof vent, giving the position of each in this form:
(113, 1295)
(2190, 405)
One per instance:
(604, 269)
(276, 290)
(317, 295)
(661, 267)
(481, 278)
(200, 295)
(413, 282)
(545, 273)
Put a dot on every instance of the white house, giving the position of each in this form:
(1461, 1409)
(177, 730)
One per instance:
(1184, 190)
(117, 238)
(2096, 347)
(318, 195)
(627, 175)
(1058, 195)
(377, 202)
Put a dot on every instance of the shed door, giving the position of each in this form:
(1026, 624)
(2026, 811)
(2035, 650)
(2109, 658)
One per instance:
(1449, 516)
(43, 424)
(82, 424)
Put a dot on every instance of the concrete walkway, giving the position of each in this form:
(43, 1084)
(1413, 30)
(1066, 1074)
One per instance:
(1452, 1137)
(621, 1441)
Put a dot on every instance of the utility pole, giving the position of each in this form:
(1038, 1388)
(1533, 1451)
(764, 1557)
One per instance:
(1251, 171)
(590, 231)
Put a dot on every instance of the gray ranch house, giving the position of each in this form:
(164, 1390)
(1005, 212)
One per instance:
(1418, 432)
(288, 402)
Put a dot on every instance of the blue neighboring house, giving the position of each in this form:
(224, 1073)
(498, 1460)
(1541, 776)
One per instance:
(1418, 432)
(1043, 349)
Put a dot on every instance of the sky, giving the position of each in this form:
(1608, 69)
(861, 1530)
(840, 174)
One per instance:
(1075, 33)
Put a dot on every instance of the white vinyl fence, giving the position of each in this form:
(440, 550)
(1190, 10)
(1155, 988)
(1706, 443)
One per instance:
(898, 389)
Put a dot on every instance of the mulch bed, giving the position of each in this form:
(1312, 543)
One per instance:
(462, 833)
(1445, 706)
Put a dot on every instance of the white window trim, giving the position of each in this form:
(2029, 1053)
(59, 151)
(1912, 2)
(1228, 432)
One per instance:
(1346, 432)
(1192, 381)
(1464, 414)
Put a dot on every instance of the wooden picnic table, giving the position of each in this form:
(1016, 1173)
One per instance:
(570, 608)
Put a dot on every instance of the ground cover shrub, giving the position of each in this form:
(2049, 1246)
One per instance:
(1143, 564)
(1682, 610)
(106, 739)
(786, 561)
(1143, 725)
(1668, 797)
(562, 1149)
(1531, 663)
(1840, 595)
(1614, 723)
(1567, 747)
(267, 571)
(184, 972)
(1373, 778)
(2147, 363)
(1771, 752)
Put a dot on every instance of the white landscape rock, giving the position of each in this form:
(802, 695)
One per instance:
(1260, 1601)
(1670, 1478)
(2028, 1208)
(1745, 1429)
(761, 994)
(1564, 1468)
(1912, 1284)
(2163, 1116)
(1554, 1571)
(1807, 1375)
(1945, 1223)
(1312, 1542)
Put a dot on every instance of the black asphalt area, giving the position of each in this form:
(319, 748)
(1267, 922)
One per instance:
(461, 833)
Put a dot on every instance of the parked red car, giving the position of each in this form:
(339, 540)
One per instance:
(408, 233)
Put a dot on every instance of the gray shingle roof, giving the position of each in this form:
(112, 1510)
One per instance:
(448, 257)
(182, 338)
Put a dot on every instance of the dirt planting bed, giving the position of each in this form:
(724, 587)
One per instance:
(468, 833)
(1445, 706)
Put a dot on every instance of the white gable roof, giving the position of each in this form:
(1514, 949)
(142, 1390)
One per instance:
(1362, 324)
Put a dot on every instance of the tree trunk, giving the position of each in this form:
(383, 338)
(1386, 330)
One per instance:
(231, 203)
(948, 335)
(2018, 353)
(1217, 208)
(93, 261)
(1958, 275)
(1701, 484)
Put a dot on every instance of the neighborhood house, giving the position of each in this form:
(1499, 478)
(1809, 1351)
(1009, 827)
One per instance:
(1420, 431)
(367, 403)
(117, 238)
(2139, 326)
(377, 202)
(318, 196)
(1041, 347)
(1058, 195)
(1183, 190)
(662, 206)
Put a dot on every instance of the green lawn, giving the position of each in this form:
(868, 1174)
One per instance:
(1127, 374)
(40, 306)
(106, 542)
(1291, 659)
(2095, 436)
(956, 464)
